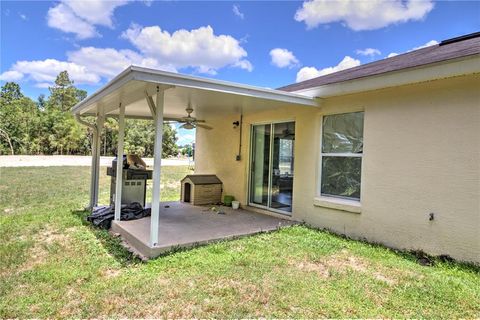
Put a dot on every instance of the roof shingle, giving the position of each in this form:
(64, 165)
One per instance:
(447, 50)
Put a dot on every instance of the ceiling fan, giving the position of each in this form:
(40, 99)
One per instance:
(190, 122)
(287, 134)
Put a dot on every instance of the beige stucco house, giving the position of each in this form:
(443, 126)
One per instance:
(388, 151)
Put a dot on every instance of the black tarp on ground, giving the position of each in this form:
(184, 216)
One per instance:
(102, 216)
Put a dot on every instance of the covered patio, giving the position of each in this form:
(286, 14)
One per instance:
(184, 225)
(142, 93)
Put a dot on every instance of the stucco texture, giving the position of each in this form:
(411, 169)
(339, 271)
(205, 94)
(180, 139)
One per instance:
(421, 156)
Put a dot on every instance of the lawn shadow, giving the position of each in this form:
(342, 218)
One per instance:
(111, 243)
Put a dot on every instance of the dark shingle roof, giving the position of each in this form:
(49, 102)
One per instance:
(198, 179)
(447, 50)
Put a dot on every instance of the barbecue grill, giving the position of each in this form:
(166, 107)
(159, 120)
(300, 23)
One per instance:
(134, 180)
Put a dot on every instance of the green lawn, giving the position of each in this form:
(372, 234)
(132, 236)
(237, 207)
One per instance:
(54, 265)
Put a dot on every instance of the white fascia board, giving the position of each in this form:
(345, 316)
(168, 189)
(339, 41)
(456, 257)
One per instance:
(442, 70)
(114, 84)
(174, 79)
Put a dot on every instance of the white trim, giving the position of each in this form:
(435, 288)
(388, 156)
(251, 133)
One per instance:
(343, 154)
(93, 167)
(100, 121)
(434, 71)
(157, 166)
(151, 104)
(270, 167)
(338, 204)
(262, 210)
(110, 87)
(318, 191)
(270, 161)
(119, 172)
(175, 79)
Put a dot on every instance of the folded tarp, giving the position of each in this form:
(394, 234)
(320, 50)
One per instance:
(102, 216)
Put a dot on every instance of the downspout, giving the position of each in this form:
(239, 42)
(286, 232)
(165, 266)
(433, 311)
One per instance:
(94, 162)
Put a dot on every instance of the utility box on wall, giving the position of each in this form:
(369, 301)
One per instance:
(200, 189)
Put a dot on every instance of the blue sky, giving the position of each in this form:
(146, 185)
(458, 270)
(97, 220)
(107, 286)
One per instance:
(268, 44)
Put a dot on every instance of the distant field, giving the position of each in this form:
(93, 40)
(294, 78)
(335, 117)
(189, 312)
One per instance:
(54, 265)
(53, 161)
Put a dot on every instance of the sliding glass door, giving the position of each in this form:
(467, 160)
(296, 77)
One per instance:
(271, 178)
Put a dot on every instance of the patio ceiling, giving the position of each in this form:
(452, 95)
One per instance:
(206, 96)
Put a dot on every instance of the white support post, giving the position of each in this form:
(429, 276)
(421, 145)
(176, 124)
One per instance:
(157, 164)
(98, 144)
(119, 172)
(93, 169)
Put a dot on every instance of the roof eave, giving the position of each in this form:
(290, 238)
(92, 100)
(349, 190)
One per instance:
(440, 70)
(174, 79)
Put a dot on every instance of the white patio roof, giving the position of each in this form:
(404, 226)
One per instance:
(204, 95)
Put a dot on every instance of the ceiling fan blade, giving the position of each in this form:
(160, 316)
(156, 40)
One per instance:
(199, 121)
(203, 126)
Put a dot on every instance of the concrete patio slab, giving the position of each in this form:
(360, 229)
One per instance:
(184, 225)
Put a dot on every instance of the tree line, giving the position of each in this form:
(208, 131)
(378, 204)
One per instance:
(47, 126)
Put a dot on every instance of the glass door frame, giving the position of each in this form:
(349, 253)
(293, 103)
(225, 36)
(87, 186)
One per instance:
(270, 164)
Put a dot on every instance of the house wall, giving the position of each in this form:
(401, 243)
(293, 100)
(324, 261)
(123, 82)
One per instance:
(421, 155)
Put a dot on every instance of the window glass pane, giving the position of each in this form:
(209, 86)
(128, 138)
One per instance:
(282, 166)
(343, 133)
(260, 164)
(341, 176)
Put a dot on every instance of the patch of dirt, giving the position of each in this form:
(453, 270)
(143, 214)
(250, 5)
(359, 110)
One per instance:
(342, 262)
(9, 210)
(50, 235)
(38, 253)
(317, 267)
(111, 273)
(75, 301)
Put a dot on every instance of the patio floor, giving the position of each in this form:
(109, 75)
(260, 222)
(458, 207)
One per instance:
(184, 225)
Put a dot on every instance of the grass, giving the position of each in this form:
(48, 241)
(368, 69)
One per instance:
(52, 264)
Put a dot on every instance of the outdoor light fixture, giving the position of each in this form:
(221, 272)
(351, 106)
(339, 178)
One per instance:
(187, 126)
(236, 124)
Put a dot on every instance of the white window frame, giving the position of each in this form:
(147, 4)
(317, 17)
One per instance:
(343, 154)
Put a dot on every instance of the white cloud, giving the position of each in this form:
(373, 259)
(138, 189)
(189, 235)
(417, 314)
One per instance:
(237, 12)
(108, 62)
(369, 52)
(11, 75)
(362, 15)
(428, 44)
(81, 17)
(283, 58)
(22, 16)
(311, 72)
(46, 71)
(97, 12)
(61, 17)
(88, 65)
(244, 64)
(199, 48)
